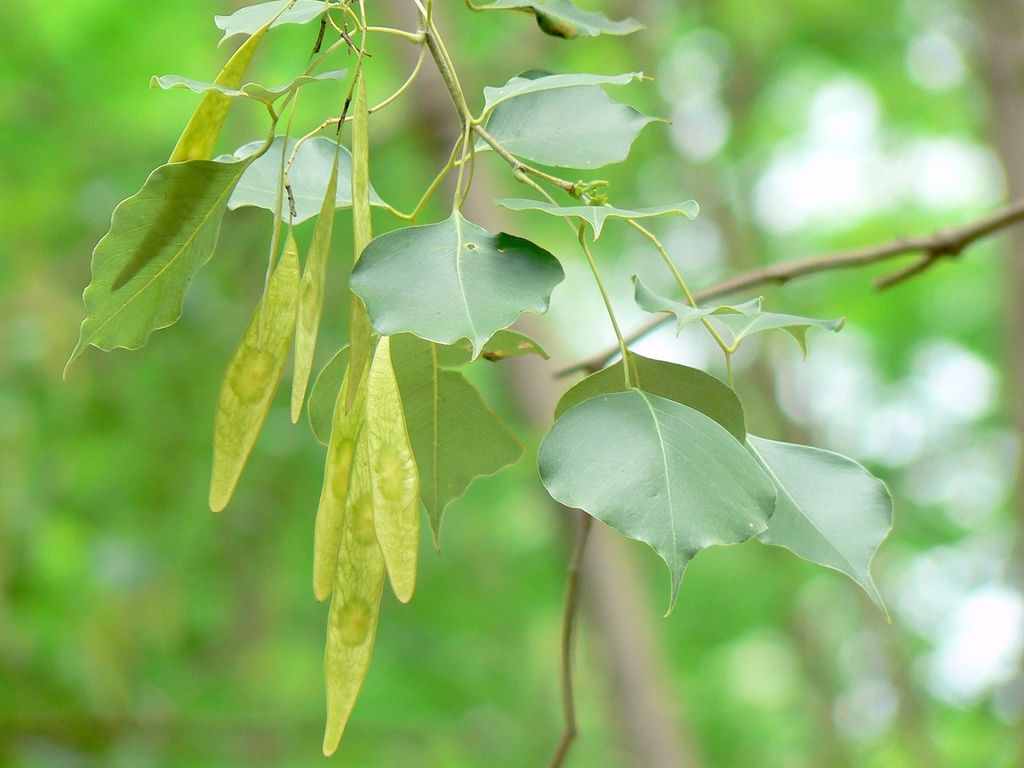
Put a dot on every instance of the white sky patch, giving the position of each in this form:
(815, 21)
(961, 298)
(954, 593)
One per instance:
(954, 380)
(841, 168)
(980, 647)
(946, 173)
(691, 78)
(934, 62)
(700, 127)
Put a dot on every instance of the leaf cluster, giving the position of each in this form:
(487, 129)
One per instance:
(657, 451)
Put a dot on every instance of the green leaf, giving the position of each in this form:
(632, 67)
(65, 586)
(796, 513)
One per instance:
(736, 321)
(596, 215)
(355, 606)
(577, 127)
(508, 343)
(536, 80)
(656, 471)
(308, 176)
(678, 383)
(324, 395)
(158, 239)
(247, 20)
(830, 509)
(249, 90)
(393, 474)
(745, 320)
(199, 138)
(252, 377)
(328, 383)
(649, 301)
(455, 436)
(311, 294)
(561, 18)
(452, 280)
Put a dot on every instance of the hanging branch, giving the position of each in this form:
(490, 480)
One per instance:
(572, 598)
(948, 243)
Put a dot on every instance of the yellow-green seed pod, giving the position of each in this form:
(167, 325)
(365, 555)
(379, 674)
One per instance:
(252, 377)
(311, 294)
(393, 474)
(345, 430)
(359, 329)
(355, 607)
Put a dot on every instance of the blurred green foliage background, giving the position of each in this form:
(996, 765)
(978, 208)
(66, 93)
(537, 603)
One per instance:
(138, 629)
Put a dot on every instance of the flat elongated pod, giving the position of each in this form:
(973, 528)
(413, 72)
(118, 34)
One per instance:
(252, 377)
(393, 474)
(355, 606)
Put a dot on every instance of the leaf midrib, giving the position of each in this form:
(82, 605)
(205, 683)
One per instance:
(221, 201)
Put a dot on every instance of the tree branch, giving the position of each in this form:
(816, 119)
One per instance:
(572, 599)
(945, 244)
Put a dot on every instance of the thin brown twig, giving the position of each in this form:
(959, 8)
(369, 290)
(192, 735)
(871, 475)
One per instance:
(572, 599)
(948, 243)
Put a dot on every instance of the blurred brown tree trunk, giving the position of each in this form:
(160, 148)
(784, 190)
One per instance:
(1003, 25)
(1002, 22)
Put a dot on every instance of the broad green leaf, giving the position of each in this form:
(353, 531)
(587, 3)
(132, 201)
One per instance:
(355, 606)
(577, 127)
(830, 509)
(344, 435)
(452, 280)
(455, 436)
(324, 395)
(199, 138)
(649, 301)
(736, 321)
(311, 294)
(158, 239)
(596, 215)
(248, 20)
(252, 377)
(393, 475)
(684, 385)
(656, 471)
(561, 18)
(359, 328)
(249, 90)
(746, 322)
(309, 175)
(536, 80)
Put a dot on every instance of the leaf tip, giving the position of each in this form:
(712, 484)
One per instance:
(219, 498)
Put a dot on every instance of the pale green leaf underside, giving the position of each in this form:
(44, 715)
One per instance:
(158, 239)
(735, 322)
(247, 20)
(562, 18)
(597, 215)
(535, 81)
(830, 509)
(249, 90)
(308, 176)
(656, 471)
(455, 436)
(467, 283)
(576, 127)
(688, 386)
